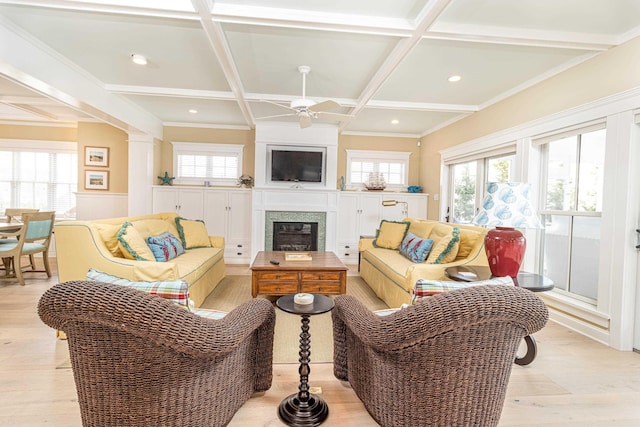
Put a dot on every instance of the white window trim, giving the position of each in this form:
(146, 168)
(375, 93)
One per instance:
(204, 148)
(399, 156)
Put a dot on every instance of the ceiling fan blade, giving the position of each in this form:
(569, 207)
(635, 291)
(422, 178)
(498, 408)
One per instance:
(324, 106)
(279, 105)
(277, 115)
(333, 116)
(305, 121)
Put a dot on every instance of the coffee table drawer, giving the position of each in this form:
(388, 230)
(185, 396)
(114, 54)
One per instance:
(277, 275)
(321, 287)
(278, 288)
(321, 275)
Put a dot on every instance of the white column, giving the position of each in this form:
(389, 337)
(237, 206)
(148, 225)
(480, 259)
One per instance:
(140, 174)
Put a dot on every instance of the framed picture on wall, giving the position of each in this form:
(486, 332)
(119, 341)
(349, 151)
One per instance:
(96, 180)
(96, 156)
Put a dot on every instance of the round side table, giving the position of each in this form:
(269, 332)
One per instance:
(303, 409)
(530, 281)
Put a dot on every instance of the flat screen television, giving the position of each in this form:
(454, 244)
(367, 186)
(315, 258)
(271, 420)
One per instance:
(296, 165)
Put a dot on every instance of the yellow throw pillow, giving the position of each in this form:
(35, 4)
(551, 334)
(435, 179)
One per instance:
(193, 233)
(391, 234)
(108, 234)
(154, 227)
(132, 244)
(468, 240)
(446, 248)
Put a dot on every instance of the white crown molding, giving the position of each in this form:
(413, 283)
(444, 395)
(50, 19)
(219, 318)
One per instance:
(411, 136)
(205, 125)
(444, 124)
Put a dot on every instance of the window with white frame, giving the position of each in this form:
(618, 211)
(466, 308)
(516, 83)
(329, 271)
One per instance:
(468, 180)
(394, 166)
(194, 163)
(571, 208)
(39, 174)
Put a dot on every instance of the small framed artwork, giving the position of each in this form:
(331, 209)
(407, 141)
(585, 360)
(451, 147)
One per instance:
(96, 156)
(96, 180)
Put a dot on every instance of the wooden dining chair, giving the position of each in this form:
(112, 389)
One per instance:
(33, 237)
(15, 214)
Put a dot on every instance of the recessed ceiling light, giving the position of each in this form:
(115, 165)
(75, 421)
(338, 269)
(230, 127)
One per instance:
(193, 111)
(395, 121)
(454, 78)
(138, 59)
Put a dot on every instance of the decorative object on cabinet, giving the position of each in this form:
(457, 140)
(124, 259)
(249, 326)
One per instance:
(245, 181)
(375, 182)
(414, 189)
(342, 186)
(96, 156)
(166, 179)
(96, 180)
(506, 207)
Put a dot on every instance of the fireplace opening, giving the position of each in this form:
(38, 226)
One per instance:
(295, 236)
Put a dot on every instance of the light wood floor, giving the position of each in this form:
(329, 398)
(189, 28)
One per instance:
(573, 382)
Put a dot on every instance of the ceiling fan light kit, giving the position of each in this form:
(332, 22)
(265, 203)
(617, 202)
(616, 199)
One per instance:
(307, 109)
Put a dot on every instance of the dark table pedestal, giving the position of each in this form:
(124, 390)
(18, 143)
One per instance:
(304, 409)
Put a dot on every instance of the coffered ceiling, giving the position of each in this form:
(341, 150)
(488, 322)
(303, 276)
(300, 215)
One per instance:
(63, 61)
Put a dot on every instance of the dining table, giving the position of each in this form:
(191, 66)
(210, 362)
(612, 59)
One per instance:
(9, 227)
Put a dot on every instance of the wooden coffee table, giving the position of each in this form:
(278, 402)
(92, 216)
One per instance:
(324, 274)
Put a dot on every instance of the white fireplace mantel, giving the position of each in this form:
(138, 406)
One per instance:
(293, 200)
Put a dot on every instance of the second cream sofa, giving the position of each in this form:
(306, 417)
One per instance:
(392, 276)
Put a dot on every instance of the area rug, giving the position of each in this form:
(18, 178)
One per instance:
(234, 290)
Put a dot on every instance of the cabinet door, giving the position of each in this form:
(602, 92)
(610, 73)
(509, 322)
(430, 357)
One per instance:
(190, 203)
(239, 228)
(370, 214)
(348, 218)
(165, 200)
(418, 205)
(215, 212)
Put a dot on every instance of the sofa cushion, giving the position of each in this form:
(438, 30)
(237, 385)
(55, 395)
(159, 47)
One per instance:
(195, 263)
(193, 233)
(108, 233)
(446, 242)
(415, 248)
(166, 246)
(427, 287)
(390, 234)
(176, 291)
(132, 244)
(468, 241)
(154, 227)
(390, 264)
(421, 227)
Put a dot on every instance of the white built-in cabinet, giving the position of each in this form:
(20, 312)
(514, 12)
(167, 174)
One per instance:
(360, 213)
(225, 211)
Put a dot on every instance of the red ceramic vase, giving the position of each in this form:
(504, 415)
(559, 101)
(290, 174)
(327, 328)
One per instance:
(505, 248)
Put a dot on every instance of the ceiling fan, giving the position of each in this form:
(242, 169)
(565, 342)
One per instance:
(307, 109)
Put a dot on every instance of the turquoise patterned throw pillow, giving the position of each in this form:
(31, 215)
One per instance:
(415, 248)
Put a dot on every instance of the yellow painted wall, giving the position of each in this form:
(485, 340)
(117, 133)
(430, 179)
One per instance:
(39, 133)
(606, 74)
(378, 143)
(104, 135)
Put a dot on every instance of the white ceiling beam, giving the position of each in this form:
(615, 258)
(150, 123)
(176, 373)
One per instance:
(515, 40)
(32, 64)
(303, 19)
(33, 110)
(426, 18)
(218, 41)
(255, 97)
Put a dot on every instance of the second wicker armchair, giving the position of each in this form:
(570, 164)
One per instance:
(444, 361)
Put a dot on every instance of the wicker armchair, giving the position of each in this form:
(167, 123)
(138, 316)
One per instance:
(140, 360)
(444, 361)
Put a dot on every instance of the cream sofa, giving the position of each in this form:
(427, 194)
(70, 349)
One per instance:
(81, 245)
(392, 276)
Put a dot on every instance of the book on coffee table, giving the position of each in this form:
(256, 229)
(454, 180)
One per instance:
(297, 256)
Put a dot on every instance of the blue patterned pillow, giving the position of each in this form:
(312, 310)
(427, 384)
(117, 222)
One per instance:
(166, 246)
(415, 248)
